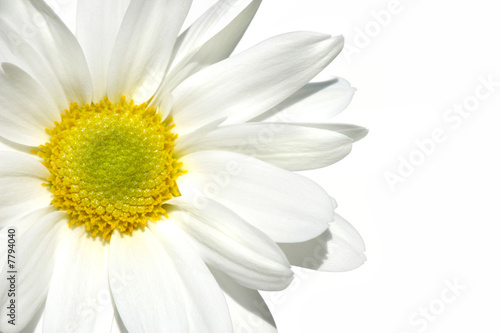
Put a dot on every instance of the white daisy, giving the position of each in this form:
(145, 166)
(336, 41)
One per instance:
(155, 162)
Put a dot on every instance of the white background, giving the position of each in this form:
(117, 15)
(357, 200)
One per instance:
(439, 223)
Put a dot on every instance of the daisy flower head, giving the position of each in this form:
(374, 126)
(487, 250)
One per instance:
(151, 168)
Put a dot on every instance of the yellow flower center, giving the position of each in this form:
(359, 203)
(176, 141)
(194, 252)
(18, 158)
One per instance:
(111, 165)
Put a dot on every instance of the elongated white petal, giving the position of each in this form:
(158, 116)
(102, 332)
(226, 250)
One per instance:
(286, 206)
(315, 102)
(37, 250)
(184, 143)
(21, 179)
(25, 221)
(354, 132)
(66, 10)
(142, 276)
(43, 46)
(224, 14)
(338, 249)
(27, 110)
(249, 312)
(205, 304)
(98, 23)
(232, 245)
(117, 325)
(334, 203)
(211, 38)
(288, 146)
(10, 146)
(252, 82)
(143, 47)
(36, 324)
(72, 301)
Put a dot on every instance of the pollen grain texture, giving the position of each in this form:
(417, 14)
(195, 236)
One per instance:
(111, 165)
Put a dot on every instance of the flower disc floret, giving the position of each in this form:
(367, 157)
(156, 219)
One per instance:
(111, 165)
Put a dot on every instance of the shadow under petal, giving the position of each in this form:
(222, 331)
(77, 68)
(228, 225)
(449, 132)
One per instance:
(248, 309)
(340, 248)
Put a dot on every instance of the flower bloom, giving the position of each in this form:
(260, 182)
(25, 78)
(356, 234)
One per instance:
(154, 170)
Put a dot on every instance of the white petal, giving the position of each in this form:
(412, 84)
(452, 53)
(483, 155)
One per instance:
(9, 146)
(66, 10)
(211, 38)
(46, 49)
(35, 262)
(26, 109)
(26, 221)
(249, 312)
(21, 179)
(184, 143)
(36, 324)
(98, 23)
(21, 226)
(229, 243)
(355, 132)
(315, 102)
(117, 325)
(205, 304)
(288, 146)
(338, 249)
(245, 85)
(75, 288)
(142, 276)
(334, 203)
(286, 206)
(143, 47)
(5, 53)
(224, 14)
